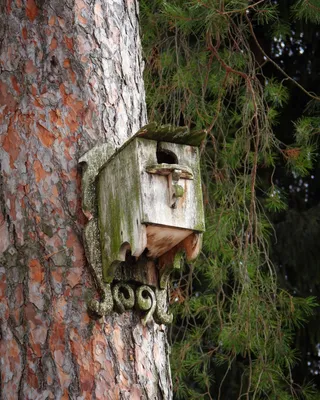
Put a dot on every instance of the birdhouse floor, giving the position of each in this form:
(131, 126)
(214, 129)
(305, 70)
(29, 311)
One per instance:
(161, 239)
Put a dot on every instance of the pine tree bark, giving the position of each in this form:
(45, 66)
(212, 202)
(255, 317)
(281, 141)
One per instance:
(70, 77)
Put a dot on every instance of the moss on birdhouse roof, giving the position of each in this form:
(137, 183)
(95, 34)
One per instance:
(173, 134)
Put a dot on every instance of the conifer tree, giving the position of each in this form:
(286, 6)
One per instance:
(206, 68)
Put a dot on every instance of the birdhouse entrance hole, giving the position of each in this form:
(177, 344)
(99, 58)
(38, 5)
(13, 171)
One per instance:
(166, 157)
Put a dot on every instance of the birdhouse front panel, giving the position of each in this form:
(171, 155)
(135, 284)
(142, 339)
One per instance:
(172, 207)
(170, 185)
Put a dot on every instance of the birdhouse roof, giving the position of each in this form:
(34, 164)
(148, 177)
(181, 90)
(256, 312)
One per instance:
(172, 134)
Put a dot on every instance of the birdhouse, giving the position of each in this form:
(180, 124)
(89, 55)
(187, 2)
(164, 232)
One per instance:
(144, 198)
(149, 199)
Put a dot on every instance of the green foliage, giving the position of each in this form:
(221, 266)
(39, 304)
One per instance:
(266, 13)
(233, 323)
(280, 30)
(276, 200)
(276, 93)
(300, 159)
(309, 10)
(306, 128)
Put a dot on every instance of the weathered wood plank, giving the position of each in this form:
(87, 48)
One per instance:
(173, 134)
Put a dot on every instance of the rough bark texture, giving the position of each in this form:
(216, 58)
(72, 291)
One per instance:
(70, 76)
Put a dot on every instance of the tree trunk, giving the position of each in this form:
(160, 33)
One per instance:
(70, 77)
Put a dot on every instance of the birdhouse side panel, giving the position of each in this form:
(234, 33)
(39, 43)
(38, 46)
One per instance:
(119, 209)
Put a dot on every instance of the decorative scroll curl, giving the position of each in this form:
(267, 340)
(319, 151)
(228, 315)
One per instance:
(161, 315)
(146, 301)
(105, 305)
(125, 296)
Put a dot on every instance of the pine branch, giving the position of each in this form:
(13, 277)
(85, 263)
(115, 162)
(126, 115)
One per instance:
(313, 96)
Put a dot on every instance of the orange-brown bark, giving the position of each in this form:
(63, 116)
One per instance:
(70, 77)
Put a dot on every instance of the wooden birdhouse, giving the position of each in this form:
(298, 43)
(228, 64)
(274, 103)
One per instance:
(148, 198)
